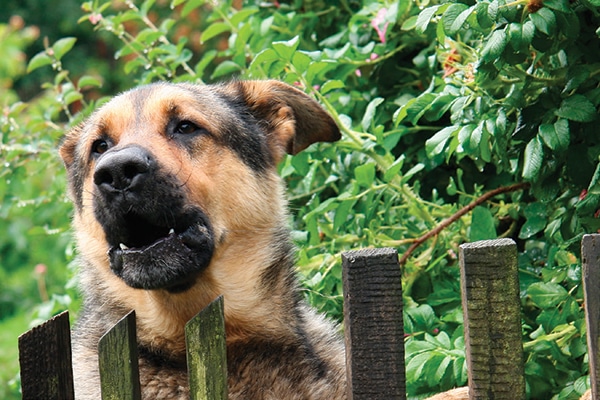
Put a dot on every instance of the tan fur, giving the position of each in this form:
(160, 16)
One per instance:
(463, 394)
(454, 394)
(247, 212)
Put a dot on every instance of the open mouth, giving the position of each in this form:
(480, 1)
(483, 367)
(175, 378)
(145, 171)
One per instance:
(147, 255)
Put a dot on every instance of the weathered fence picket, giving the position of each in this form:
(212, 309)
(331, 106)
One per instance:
(373, 323)
(117, 359)
(206, 353)
(590, 257)
(492, 319)
(373, 333)
(45, 360)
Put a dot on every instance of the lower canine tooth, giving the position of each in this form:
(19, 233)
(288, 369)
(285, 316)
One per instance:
(123, 247)
(172, 231)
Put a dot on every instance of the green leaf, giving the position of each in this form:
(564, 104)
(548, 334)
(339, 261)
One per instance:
(412, 171)
(146, 6)
(190, 5)
(577, 108)
(213, 30)
(515, 36)
(451, 189)
(559, 5)
(436, 144)
(409, 24)
(544, 20)
(576, 75)
(422, 317)
(528, 32)
(243, 14)
(556, 136)
(225, 68)
(482, 225)
(331, 85)
(301, 61)
(536, 220)
(532, 159)
(547, 294)
(286, 49)
(453, 18)
(415, 108)
(39, 60)
(484, 19)
(370, 113)
(72, 97)
(365, 174)
(341, 213)
(594, 187)
(62, 46)
(132, 65)
(494, 46)
(424, 18)
(394, 169)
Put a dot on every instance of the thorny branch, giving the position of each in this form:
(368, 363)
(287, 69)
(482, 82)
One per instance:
(454, 217)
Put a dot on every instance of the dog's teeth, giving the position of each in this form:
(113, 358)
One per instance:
(172, 231)
(123, 247)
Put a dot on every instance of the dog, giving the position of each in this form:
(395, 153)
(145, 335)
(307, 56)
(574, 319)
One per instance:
(177, 201)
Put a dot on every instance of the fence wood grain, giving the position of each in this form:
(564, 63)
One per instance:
(207, 353)
(492, 318)
(373, 332)
(45, 360)
(374, 329)
(118, 361)
(590, 255)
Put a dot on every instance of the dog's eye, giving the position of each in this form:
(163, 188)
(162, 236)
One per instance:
(186, 128)
(100, 146)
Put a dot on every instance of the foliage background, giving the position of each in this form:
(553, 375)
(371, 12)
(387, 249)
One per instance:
(439, 102)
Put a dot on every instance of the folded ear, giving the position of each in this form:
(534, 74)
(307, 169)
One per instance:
(68, 145)
(292, 119)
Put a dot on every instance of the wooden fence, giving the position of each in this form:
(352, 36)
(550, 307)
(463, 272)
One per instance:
(373, 333)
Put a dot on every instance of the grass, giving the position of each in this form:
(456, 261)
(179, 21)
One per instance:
(10, 329)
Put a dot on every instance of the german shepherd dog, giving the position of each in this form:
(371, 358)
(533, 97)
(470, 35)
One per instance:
(177, 201)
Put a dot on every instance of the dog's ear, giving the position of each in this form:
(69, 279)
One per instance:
(292, 119)
(68, 145)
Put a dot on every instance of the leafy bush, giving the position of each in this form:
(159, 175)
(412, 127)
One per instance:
(488, 105)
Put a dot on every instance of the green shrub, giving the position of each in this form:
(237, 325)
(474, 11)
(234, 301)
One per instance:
(441, 105)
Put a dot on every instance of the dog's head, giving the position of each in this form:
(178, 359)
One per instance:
(166, 177)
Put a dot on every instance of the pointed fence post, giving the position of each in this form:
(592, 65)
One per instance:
(118, 361)
(492, 314)
(45, 360)
(207, 353)
(373, 325)
(590, 255)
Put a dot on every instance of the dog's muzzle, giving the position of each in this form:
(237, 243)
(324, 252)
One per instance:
(156, 240)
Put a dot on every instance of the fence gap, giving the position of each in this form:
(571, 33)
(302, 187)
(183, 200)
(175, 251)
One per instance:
(118, 361)
(590, 256)
(45, 360)
(492, 315)
(207, 353)
(374, 330)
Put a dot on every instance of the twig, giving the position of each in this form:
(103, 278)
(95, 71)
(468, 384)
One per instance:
(442, 225)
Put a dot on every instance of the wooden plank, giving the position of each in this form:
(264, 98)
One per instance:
(590, 255)
(374, 330)
(207, 353)
(45, 360)
(118, 361)
(492, 314)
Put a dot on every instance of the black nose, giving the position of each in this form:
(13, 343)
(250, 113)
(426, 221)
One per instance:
(123, 169)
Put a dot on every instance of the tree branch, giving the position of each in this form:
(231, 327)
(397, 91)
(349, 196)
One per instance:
(442, 225)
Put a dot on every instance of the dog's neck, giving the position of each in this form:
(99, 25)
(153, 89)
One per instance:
(248, 313)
